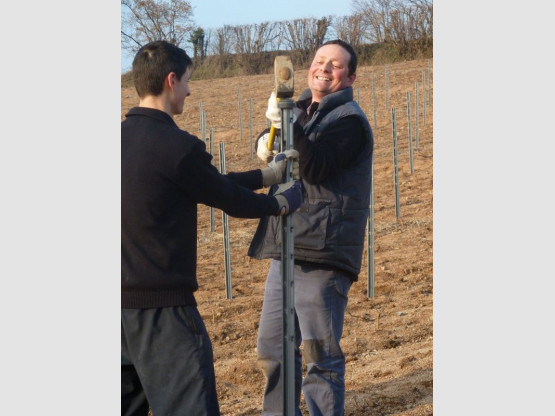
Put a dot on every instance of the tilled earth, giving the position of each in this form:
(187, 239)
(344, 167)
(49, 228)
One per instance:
(388, 338)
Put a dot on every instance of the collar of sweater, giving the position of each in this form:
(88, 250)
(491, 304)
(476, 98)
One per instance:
(152, 113)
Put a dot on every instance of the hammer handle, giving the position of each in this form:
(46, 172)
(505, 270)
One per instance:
(272, 135)
(271, 138)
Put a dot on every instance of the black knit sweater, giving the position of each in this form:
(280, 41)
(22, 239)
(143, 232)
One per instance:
(165, 173)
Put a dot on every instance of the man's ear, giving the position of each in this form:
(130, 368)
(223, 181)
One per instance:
(352, 78)
(170, 80)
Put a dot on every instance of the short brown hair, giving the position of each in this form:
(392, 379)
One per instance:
(353, 62)
(153, 62)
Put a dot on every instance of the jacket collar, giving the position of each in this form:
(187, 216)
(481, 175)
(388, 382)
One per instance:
(330, 101)
(152, 113)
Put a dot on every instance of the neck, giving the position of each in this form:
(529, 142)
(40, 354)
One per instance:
(316, 98)
(158, 103)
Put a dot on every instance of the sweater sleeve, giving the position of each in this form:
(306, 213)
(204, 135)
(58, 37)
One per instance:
(336, 148)
(251, 179)
(231, 193)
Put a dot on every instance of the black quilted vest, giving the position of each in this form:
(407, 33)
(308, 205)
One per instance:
(330, 225)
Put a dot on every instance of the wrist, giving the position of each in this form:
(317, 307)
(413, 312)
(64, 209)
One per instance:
(268, 177)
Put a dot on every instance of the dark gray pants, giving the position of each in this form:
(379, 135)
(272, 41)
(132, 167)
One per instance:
(166, 363)
(320, 304)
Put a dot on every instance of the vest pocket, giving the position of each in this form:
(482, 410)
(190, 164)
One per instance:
(309, 226)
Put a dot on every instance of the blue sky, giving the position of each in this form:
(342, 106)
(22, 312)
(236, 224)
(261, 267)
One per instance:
(217, 13)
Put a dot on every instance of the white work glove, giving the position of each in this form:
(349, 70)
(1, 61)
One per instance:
(276, 168)
(289, 197)
(273, 113)
(262, 148)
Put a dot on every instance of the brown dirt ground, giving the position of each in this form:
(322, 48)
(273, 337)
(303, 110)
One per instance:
(388, 339)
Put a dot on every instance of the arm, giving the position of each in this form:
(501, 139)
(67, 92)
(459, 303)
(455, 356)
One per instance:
(271, 175)
(251, 179)
(202, 182)
(336, 148)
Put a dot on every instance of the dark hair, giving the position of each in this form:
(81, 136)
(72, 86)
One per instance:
(353, 62)
(153, 62)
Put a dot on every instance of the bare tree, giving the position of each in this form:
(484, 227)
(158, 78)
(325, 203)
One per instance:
(224, 41)
(351, 29)
(250, 41)
(401, 22)
(322, 26)
(409, 25)
(145, 21)
(222, 46)
(424, 15)
(376, 17)
(304, 36)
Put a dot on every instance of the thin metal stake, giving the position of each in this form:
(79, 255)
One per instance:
(371, 277)
(240, 118)
(424, 97)
(287, 271)
(429, 75)
(374, 101)
(203, 127)
(416, 114)
(250, 122)
(225, 221)
(212, 226)
(386, 87)
(410, 134)
(395, 163)
(200, 113)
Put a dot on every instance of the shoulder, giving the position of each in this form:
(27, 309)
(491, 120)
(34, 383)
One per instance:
(180, 141)
(349, 110)
(352, 111)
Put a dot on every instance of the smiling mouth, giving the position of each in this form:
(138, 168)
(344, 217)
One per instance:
(323, 78)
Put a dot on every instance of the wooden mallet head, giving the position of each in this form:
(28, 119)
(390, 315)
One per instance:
(285, 87)
(283, 74)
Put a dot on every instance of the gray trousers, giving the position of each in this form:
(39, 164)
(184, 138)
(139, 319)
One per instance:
(166, 363)
(320, 303)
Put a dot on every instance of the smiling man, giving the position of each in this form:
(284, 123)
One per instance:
(335, 143)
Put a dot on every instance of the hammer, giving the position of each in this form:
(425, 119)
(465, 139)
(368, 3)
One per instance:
(284, 85)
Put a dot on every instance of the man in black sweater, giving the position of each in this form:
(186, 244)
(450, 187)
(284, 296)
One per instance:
(166, 354)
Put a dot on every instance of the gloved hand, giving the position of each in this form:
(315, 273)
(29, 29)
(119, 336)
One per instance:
(273, 113)
(262, 148)
(276, 168)
(289, 196)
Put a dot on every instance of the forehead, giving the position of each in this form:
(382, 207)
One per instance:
(333, 52)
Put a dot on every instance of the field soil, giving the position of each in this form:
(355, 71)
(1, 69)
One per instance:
(388, 337)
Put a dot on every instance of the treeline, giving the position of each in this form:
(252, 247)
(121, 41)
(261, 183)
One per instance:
(380, 31)
(263, 62)
(237, 65)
